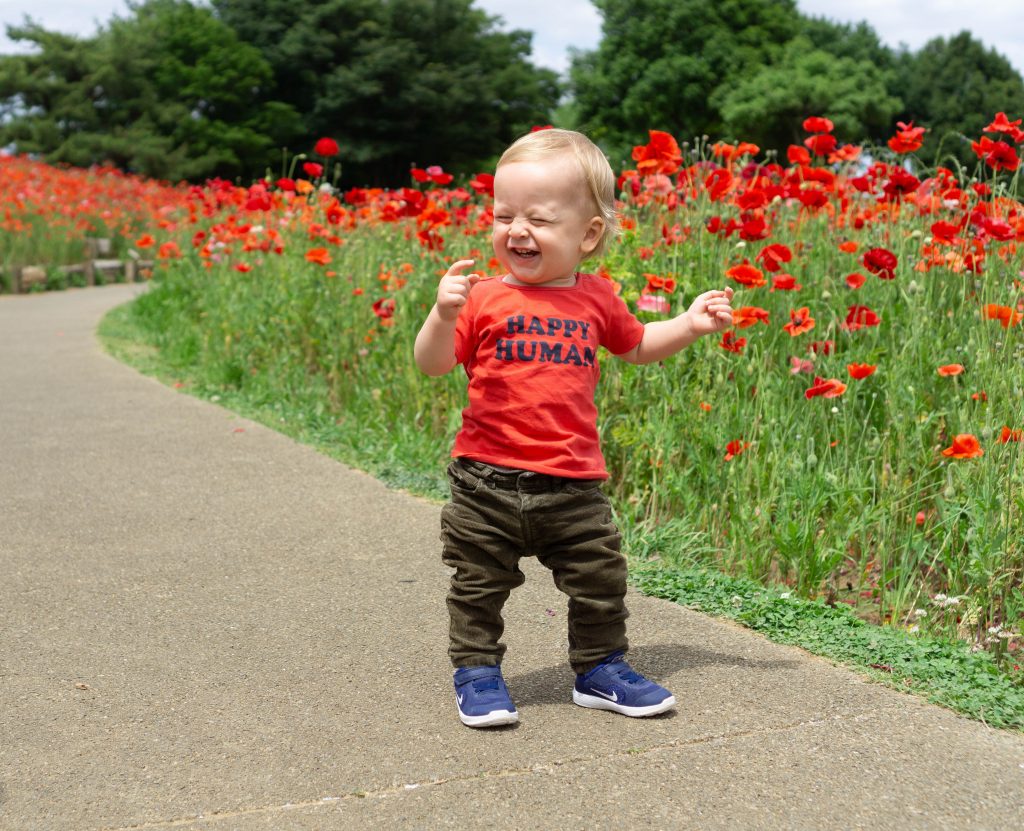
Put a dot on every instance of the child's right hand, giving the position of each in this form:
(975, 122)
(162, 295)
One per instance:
(453, 291)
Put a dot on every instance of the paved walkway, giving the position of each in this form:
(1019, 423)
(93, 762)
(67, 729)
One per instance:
(205, 625)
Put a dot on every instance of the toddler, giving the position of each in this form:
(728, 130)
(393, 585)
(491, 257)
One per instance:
(527, 471)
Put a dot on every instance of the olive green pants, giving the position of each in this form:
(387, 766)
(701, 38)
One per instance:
(495, 517)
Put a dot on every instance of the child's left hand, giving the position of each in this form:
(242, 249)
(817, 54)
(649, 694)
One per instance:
(711, 312)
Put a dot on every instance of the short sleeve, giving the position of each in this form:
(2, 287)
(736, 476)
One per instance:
(622, 330)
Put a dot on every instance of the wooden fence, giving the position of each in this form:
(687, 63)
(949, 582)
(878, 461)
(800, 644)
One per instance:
(97, 263)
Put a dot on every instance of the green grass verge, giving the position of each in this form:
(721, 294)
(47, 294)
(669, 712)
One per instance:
(945, 672)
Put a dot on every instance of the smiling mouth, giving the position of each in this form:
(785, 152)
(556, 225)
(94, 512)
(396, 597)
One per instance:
(526, 253)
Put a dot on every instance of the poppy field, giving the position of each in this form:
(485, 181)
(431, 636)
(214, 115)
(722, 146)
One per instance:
(856, 435)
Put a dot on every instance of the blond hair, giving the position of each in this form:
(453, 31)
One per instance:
(594, 167)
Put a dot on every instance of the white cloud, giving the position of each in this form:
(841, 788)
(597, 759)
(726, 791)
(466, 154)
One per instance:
(999, 24)
(73, 17)
(556, 25)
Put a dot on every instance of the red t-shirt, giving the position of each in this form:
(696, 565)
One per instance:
(531, 356)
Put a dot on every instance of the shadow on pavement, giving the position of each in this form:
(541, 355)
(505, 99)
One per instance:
(552, 685)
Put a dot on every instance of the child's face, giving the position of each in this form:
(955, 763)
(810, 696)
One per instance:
(543, 225)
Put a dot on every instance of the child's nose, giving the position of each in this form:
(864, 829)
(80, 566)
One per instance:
(517, 228)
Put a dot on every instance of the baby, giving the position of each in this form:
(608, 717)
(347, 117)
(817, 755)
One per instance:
(527, 471)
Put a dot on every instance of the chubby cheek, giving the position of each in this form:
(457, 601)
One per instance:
(499, 241)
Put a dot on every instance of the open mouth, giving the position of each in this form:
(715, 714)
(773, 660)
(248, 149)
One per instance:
(525, 253)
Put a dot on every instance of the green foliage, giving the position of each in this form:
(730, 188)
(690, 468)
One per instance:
(409, 81)
(768, 106)
(668, 64)
(754, 69)
(945, 672)
(954, 87)
(167, 92)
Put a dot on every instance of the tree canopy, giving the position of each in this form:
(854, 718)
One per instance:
(954, 87)
(424, 81)
(169, 91)
(178, 90)
(754, 69)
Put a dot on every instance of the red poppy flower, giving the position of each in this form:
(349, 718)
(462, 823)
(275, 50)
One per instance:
(731, 343)
(746, 275)
(773, 256)
(859, 371)
(285, 184)
(438, 176)
(822, 347)
(945, 232)
(312, 169)
(855, 280)
(880, 261)
(907, 139)
(846, 153)
(326, 147)
(754, 229)
(818, 124)
(169, 251)
(826, 388)
(1008, 435)
(734, 448)
(483, 183)
(798, 155)
(965, 446)
(320, 256)
(949, 370)
(784, 282)
(656, 282)
(660, 155)
(981, 396)
(145, 241)
(1001, 124)
(749, 315)
(900, 184)
(919, 519)
(800, 321)
(848, 247)
(820, 144)
(858, 316)
(996, 154)
(384, 308)
(1006, 316)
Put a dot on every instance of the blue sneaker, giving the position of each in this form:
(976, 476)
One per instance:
(483, 698)
(614, 685)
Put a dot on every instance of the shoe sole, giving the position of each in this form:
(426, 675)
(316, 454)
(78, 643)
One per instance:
(596, 703)
(496, 718)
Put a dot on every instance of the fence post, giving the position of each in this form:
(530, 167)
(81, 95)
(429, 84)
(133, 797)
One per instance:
(90, 265)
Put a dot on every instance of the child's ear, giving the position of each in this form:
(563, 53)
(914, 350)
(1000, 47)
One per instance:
(592, 235)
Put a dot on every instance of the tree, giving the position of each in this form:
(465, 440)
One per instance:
(669, 64)
(168, 92)
(954, 87)
(769, 106)
(398, 82)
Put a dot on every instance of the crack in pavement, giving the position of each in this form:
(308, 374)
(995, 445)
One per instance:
(548, 767)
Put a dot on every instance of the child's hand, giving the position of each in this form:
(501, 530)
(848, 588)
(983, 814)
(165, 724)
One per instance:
(711, 312)
(454, 289)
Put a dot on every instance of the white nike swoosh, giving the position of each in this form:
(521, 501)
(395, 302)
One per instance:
(612, 697)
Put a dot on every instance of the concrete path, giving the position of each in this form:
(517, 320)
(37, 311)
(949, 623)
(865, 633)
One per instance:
(205, 625)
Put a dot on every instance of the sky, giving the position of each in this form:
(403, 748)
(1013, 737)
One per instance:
(561, 24)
